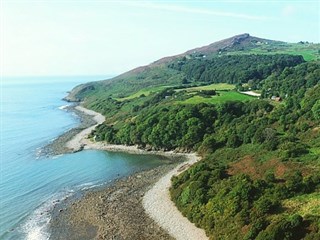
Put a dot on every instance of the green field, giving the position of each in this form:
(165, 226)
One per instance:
(145, 92)
(308, 54)
(216, 86)
(309, 51)
(223, 97)
(150, 90)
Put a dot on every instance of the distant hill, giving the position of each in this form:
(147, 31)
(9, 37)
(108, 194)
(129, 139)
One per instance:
(238, 42)
(235, 43)
(158, 73)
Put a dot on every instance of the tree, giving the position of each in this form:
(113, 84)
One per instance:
(294, 182)
(195, 132)
(209, 144)
(270, 139)
(316, 110)
(185, 80)
(233, 140)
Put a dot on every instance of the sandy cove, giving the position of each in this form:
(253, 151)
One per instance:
(156, 201)
(79, 140)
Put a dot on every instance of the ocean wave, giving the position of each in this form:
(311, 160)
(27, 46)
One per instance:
(57, 156)
(63, 107)
(90, 185)
(39, 153)
(37, 225)
(53, 139)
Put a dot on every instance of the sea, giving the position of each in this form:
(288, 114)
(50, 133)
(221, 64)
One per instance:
(32, 114)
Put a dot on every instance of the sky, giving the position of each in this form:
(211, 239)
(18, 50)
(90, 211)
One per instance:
(96, 37)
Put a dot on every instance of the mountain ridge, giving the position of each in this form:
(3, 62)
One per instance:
(240, 40)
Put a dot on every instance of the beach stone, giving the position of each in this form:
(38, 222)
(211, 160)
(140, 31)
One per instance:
(119, 216)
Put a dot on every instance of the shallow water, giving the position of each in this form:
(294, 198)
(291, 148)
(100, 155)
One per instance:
(30, 184)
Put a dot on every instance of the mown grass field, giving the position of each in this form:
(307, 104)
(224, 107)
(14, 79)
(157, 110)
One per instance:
(145, 92)
(151, 90)
(309, 51)
(217, 86)
(308, 54)
(224, 96)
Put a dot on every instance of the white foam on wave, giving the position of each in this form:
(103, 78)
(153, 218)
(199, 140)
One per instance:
(57, 156)
(89, 185)
(37, 225)
(63, 107)
(53, 139)
(39, 152)
(84, 185)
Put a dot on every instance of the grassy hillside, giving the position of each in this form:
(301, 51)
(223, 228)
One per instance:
(221, 97)
(261, 156)
(160, 73)
(215, 86)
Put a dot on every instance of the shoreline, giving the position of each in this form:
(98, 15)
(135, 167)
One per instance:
(159, 206)
(153, 200)
(111, 212)
(80, 139)
(58, 145)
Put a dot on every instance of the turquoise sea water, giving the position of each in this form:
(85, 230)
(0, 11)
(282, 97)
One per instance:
(31, 116)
